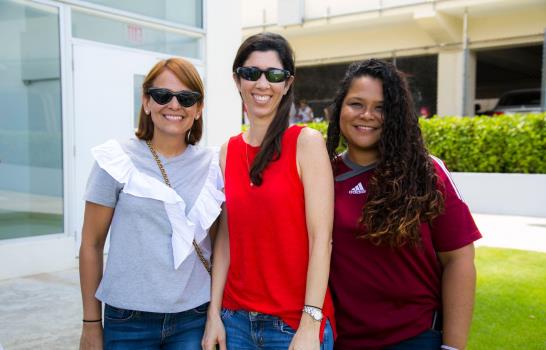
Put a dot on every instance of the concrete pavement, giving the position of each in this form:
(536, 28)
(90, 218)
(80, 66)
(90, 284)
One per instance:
(44, 311)
(516, 232)
(40, 311)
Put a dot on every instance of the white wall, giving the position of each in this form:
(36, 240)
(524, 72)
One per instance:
(33, 255)
(222, 104)
(509, 194)
(253, 10)
(258, 12)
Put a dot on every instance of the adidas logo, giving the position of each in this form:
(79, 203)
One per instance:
(358, 189)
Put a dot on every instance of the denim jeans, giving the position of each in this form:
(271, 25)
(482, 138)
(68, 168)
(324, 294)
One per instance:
(252, 330)
(428, 340)
(128, 329)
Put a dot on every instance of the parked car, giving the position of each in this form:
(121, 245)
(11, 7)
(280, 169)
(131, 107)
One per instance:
(517, 101)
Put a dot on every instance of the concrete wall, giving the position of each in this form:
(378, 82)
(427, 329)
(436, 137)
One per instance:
(337, 31)
(509, 194)
(520, 22)
(354, 43)
(223, 104)
(33, 255)
(341, 31)
(453, 78)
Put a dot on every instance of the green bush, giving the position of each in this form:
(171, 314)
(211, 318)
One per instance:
(501, 144)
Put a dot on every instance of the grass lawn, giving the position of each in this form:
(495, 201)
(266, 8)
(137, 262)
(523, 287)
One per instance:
(510, 309)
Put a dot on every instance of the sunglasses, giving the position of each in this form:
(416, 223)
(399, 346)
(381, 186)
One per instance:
(273, 75)
(164, 96)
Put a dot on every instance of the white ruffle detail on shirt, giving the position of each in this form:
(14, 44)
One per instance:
(112, 159)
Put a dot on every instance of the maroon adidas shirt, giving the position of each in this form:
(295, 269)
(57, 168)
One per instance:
(385, 295)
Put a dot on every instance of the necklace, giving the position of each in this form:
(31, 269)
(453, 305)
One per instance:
(248, 163)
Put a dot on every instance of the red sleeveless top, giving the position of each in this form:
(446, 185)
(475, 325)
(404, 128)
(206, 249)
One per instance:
(269, 245)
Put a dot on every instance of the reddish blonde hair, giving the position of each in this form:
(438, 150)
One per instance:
(188, 75)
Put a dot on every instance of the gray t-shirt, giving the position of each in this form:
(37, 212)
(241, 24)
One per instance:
(140, 273)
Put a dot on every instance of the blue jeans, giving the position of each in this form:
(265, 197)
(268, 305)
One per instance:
(428, 340)
(255, 331)
(128, 329)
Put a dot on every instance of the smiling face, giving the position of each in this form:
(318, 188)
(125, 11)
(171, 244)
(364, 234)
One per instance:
(262, 97)
(361, 117)
(171, 119)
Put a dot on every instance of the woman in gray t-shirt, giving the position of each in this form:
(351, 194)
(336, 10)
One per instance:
(157, 195)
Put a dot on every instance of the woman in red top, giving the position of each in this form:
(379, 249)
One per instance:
(270, 274)
(403, 252)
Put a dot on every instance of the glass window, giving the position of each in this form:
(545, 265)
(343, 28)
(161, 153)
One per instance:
(186, 12)
(31, 167)
(133, 34)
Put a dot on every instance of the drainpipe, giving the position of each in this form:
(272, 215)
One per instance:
(264, 19)
(465, 63)
(543, 86)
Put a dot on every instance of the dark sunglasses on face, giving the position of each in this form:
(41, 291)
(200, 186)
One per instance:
(164, 96)
(273, 75)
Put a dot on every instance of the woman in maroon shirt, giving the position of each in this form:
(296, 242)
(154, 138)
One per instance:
(403, 254)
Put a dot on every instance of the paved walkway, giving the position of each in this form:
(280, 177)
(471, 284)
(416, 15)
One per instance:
(516, 232)
(40, 312)
(44, 311)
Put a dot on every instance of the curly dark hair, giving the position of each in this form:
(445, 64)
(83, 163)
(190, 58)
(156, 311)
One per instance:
(271, 145)
(404, 190)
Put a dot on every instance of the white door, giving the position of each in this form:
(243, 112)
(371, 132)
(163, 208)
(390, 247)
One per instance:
(106, 94)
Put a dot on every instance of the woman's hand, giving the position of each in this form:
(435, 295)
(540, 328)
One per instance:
(215, 334)
(91, 338)
(307, 336)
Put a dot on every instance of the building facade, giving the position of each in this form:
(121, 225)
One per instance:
(71, 74)
(460, 55)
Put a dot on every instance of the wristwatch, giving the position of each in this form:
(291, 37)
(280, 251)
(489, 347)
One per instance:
(314, 312)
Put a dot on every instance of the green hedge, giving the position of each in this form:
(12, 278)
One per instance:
(500, 144)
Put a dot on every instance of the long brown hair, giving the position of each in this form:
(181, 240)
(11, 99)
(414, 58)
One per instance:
(404, 189)
(188, 75)
(271, 145)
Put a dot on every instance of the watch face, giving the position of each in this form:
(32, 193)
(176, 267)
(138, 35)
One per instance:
(316, 316)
